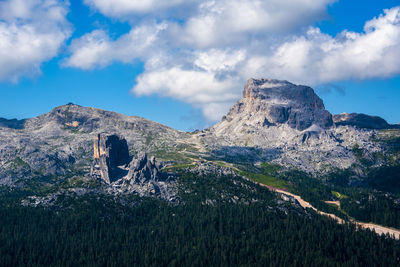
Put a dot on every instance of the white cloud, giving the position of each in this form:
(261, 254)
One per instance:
(188, 85)
(205, 59)
(207, 84)
(209, 23)
(319, 58)
(96, 49)
(196, 60)
(219, 23)
(122, 8)
(199, 88)
(219, 60)
(31, 32)
(314, 58)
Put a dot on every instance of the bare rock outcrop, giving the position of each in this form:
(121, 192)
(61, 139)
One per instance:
(60, 142)
(112, 163)
(283, 102)
(286, 124)
(110, 156)
(360, 120)
(141, 169)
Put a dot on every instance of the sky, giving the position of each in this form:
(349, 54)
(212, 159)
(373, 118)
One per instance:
(184, 63)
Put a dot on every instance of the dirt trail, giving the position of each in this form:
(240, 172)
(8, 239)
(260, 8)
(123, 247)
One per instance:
(337, 203)
(379, 229)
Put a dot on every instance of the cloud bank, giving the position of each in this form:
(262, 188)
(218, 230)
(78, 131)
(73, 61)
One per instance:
(316, 58)
(204, 57)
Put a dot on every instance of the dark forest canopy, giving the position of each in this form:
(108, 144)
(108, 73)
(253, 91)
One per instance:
(101, 231)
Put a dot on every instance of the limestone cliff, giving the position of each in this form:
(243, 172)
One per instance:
(110, 157)
(112, 163)
(289, 125)
(273, 102)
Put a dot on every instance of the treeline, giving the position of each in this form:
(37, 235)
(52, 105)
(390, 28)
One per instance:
(375, 198)
(374, 207)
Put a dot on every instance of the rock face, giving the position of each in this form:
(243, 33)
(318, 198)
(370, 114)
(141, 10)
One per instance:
(277, 121)
(273, 112)
(112, 163)
(280, 102)
(360, 120)
(142, 170)
(146, 178)
(111, 155)
(60, 142)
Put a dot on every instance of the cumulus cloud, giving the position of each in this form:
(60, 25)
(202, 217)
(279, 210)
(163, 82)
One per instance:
(210, 22)
(200, 88)
(218, 60)
(318, 58)
(205, 58)
(208, 80)
(96, 49)
(31, 32)
(219, 23)
(313, 58)
(196, 60)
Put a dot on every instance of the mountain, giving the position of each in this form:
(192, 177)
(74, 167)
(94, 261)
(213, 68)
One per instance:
(274, 102)
(101, 188)
(59, 145)
(361, 120)
(276, 122)
(289, 125)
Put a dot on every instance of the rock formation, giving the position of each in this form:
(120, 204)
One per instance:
(276, 121)
(110, 157)
(60, 143)
(111, 162)
(272, 113)
(277, 102)
(360, 120)
(287, 124)
(142, 170)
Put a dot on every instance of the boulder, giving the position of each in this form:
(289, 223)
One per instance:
(142, 170)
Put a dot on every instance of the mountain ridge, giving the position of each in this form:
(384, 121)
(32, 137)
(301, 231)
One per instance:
(247, 93)
(276, 122)
(125, 182)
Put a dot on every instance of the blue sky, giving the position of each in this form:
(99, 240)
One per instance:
(184, 63)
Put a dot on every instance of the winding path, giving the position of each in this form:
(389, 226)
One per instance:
(379, 229)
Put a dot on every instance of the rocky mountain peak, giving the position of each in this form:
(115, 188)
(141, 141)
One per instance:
(254, 87)
(269, 102)
(360, 120)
